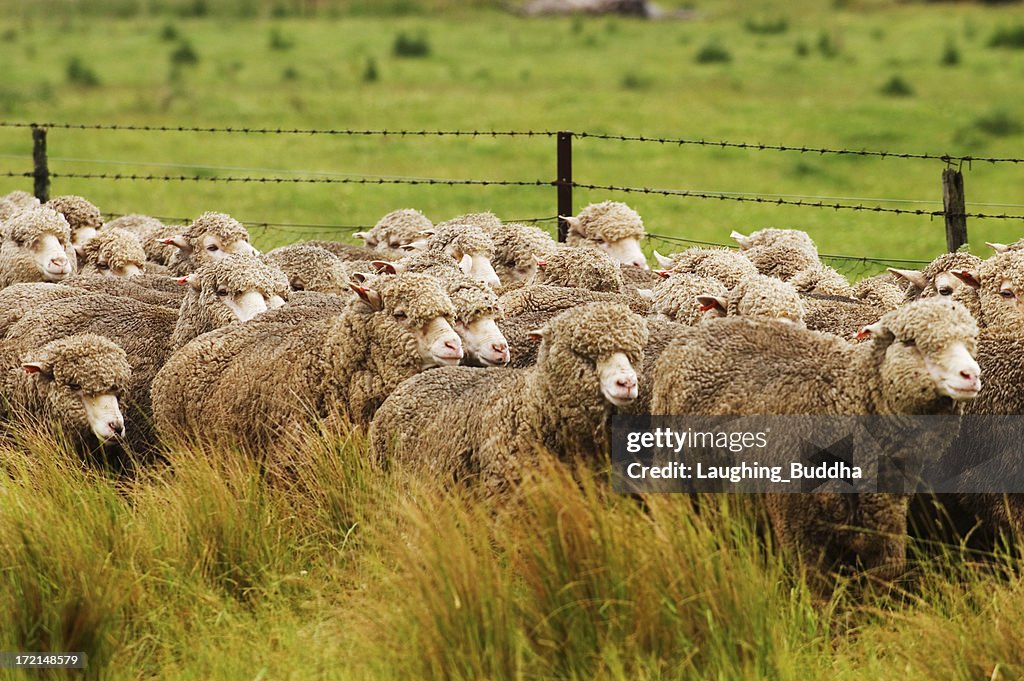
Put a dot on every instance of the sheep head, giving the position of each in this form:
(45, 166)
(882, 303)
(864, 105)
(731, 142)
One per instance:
(114, 252)
(40, 237)
(611, 226)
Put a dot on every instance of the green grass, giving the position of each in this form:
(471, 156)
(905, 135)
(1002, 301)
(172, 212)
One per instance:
(487, 70)
(221, 567)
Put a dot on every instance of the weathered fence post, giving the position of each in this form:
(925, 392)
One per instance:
(564, 182)
(954, 207)
(41, 168)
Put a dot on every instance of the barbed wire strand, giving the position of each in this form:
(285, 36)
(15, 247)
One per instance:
(304, 225)
(684, 193)
(675, 141)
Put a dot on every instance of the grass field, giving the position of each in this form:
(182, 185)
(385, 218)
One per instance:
(879, 75)
(218, 568)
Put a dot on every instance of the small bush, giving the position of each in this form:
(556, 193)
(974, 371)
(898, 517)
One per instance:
(169, 33)
(290, 74)
(950, 54)
(9, 36)
(801, 49)
(998, 123)
(184, 55)
(767, 26)
(827, 46)
(370, 73)
(197, 8)
(897, 87)
(1011, 37)
(411, 46)
(713, 53)
(279, 41)
(634, 81)
(80, 74)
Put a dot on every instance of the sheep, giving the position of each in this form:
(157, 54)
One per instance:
(152, 233)
(821, 279)
(840, 315)
(757, 296)
(779, 253)
(18, 299)
(937, 279)
(113, 252)
(210, 236)
(477, 310)
(146, 288)
(460, 423)
(467, 245)
(263, 381)
(881, 290)
(7, 210)
(73, 383)
(517, 248)
(231, 289)
(676, 299)
(83, 217)
(1017, 245)
(36, 247)
(611, 226)
(344, 251)
(21, 199)
(998, 282)
(919, 361)
(311, 268)
(396, 229)
(577, 267)
(727, 266)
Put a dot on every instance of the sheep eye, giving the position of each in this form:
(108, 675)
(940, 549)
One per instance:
(909, 342)
(222, 292)
(212, 247)
(946, 291)
(102, 266)
(1007, 293)
(401, 316)
(74, 387)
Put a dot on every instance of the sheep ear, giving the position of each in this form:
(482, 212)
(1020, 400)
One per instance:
(663, 260)
(383, 266)
(40, 370)
(741, 239)
(969, 277)
(708, 303)
(915, 277)
(418, 245)
(466, 263)
(368, 296)
(427, 233)
(367, 238)
(876, 330)
(360, 277)
(664, 274)
(997, 247)
(541, 263)
(535, 335)
(575, 227)
(178, 241)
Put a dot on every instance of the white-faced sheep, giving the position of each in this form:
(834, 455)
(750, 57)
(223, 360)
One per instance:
(611, 226)
(517, 249)
(113, 252)
(476, 313)
(83, 217)
(73, 383)
(779, 253)
(576, 267)
(467, 245)
(311, 268)
(152, 233)
(462, 423)
(36, 247)
(727, 266)
(266, 379)
(210, 236)
(918, 361)
(396, 229)
(233, 289)
(937, 279)
(675, 299)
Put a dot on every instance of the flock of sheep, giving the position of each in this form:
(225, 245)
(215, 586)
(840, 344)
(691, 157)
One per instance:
(466, 346)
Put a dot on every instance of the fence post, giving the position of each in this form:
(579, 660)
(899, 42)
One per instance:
(953, 205)
(564, 182)
(41, 170)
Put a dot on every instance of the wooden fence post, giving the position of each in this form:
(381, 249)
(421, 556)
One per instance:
(41, 170)
(954, 207)
(564, 183)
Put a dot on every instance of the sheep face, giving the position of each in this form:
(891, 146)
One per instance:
(610, 226)
(618, 379)
(1000, 284)
(80, 237)
(483, 342)
(477, 265)
(929, 348)
(436, 341)
(41, 239)
(213, 247)
(227, 303)
(624, 251)
(81, 377)
(114, 252)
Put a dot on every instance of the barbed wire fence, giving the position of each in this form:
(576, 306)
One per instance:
(953, 213)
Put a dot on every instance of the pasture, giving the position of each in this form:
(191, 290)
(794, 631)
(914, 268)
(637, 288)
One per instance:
(217, 567)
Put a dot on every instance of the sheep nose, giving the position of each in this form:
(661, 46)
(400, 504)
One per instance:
(116, 427)
(969, 375)
(455, 346)
(500, 348)
(639, 263)
(626, 382)
(59, 262)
